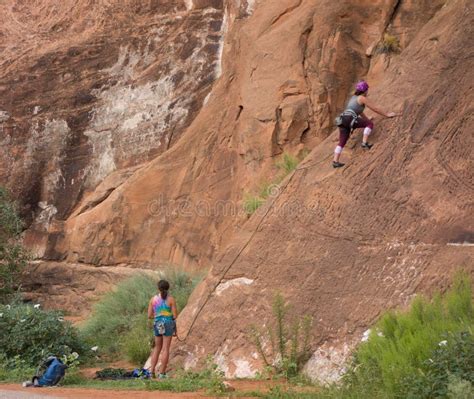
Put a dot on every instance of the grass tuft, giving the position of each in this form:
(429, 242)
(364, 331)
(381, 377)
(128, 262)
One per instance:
(209, 379)
(252, 203)
(286, 165)
(389, 44)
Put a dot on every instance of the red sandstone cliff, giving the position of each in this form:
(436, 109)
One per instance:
(341, 244)
(93, 89)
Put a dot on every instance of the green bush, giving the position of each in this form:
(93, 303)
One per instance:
(449, 370)
(412, 354)
(289, 341)
(118, 324)
(30, 334)
(13, 257)
(459, 388)
(14, 369)
(115, 314)
(182, 284)
(137, 342)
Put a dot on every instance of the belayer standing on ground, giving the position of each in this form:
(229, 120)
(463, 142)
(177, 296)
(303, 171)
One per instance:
(162, 309)
(353, 118)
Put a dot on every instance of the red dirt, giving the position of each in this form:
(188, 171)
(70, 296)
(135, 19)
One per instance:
(100, 393)
(240, 386)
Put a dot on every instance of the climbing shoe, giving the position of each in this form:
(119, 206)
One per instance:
(367, 146)
(337, 164)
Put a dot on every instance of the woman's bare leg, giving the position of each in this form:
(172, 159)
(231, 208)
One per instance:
(337, 153)
(156, 353)
(165, 354)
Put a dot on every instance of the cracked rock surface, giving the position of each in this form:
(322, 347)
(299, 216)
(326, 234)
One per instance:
(341, 245)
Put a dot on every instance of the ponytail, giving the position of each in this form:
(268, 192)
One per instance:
(163, 287)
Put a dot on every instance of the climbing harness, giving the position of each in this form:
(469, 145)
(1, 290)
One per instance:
(339, 121)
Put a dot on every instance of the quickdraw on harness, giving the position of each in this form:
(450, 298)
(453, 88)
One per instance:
(347, 112)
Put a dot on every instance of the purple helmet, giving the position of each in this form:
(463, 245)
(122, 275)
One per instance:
(362, 86)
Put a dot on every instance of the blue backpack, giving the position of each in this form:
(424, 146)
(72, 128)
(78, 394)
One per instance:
(54, 371)
(141, 373)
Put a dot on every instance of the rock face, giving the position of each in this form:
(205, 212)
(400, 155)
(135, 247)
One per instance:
(341, 245)
(73, 287)
(95, 87)
(287, 69)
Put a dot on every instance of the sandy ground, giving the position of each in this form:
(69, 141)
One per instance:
(14, 391)
(7, 394)
(11, 391)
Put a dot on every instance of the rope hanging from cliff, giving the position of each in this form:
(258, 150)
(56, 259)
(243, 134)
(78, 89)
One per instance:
(237, 256)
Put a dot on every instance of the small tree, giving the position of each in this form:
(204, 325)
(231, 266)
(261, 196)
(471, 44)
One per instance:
(13, 257)
(289, 340)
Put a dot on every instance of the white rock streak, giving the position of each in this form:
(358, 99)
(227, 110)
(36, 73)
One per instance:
(233, 283)
(189, 4)
(250, 6)
(224, 29)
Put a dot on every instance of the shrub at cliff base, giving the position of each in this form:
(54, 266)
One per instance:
(427, 352)
(29, 334)
(118, 324)
(424, 353)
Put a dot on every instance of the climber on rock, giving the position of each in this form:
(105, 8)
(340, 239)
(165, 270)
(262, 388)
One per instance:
(353, 118)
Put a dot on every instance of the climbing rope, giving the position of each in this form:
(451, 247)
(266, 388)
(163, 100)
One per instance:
(237, 256)
(226, 270)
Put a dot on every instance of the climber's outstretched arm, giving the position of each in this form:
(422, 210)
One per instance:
(375, 108)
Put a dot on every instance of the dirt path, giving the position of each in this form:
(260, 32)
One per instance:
(4, 394)
(10, 391)
(85, 393)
